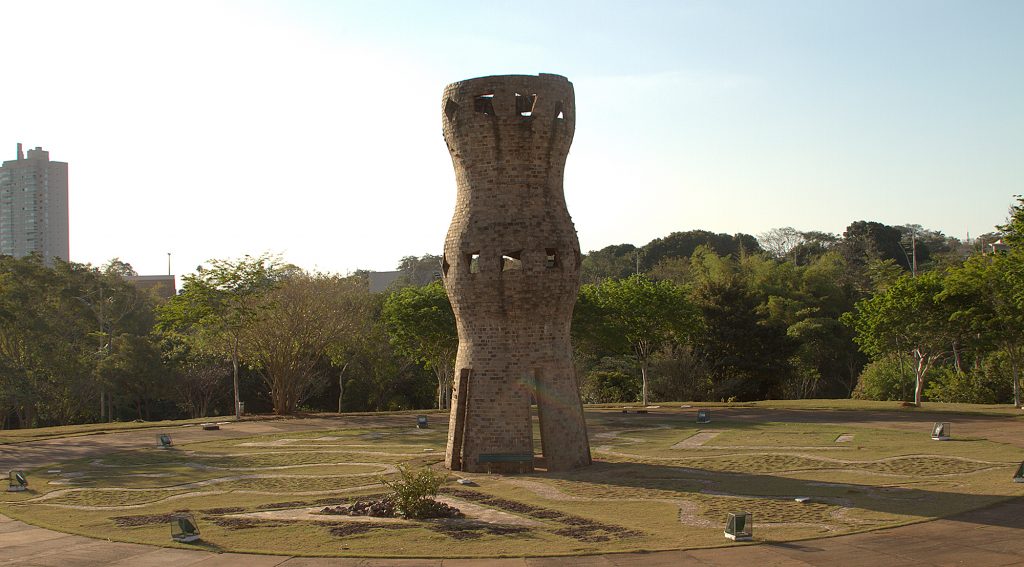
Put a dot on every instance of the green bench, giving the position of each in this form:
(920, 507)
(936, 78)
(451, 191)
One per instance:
(504, 458)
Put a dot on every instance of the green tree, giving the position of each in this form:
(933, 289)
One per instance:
(363, 310)
(981, 294)
(30, 338)
(780, 243)
(908, 316)
(199, 378)
(616, 261)
(419, 271)
(57, 326)
(684, 244)
(826, 359)
(136, 374)
(635, 315)
(421, 326)
(883, 379)
(1013, 230)
(380, 379)
(118, 308)
(219, 302)
(747, 303)
(298, 324)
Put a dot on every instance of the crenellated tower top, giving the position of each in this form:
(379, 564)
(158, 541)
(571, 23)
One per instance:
(514, 119)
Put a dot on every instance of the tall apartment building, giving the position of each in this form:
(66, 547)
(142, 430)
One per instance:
(34, 206)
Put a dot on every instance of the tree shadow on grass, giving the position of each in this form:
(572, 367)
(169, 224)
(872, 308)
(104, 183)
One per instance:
(751, 415)
(692, 481)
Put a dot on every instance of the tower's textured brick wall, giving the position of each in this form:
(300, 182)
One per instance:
(512, 271)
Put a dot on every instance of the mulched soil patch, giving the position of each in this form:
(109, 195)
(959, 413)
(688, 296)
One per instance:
(356, 528)
(382, 508)
(576, 527)
(145, 519)
(589, 531)
(336, 501)
(471, 495)
(247, 523)
(508, 505)
(547, 515)
(296, 504)
(220, 511)
(464, 530)
(350, 529)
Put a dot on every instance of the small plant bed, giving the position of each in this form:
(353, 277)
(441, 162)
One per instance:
(382, 508)
(381, 490)
(385, 508)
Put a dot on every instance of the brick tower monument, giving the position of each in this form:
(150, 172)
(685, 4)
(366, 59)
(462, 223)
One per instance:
(512, 270)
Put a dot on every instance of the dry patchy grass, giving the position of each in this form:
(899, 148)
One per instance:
(641, 494)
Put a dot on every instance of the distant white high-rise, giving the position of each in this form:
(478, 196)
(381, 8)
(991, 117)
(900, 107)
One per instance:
(34, 206)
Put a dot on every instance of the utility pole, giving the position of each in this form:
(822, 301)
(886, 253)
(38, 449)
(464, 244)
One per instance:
(168, 263)
(912, 257)
(913, 252)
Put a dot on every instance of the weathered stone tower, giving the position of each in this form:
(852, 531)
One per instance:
(512, 271)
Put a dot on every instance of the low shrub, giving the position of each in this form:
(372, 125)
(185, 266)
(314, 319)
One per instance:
(414, 491)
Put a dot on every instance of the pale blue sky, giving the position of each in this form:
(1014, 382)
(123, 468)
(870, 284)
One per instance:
(216, 129)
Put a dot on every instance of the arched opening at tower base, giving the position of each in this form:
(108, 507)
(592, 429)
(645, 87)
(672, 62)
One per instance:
(557, 413)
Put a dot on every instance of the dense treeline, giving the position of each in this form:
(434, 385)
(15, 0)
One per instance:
(880, 312)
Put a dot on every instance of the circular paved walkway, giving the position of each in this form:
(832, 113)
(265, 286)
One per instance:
(992, 536)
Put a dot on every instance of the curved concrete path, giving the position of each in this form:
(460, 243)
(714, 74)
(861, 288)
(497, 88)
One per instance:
(992, 536)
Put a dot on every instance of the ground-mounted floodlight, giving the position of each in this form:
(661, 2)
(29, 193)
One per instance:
(703, 416)
(163, 441)
(17, 482)
(740, 526)
(1019, 476)
(183, 528)
(421, 422)
(940, 431)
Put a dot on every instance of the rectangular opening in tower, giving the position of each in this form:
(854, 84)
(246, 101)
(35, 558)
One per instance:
(461, 410)
(450, 108)
(512, 261)
(484, 103)
(525, 104)
(536, 381)
(551, 259)
(473, 262)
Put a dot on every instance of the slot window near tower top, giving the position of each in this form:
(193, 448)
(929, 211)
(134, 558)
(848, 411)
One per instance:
(512, 261)
(525, 104)
(484, 104)
(551, 258)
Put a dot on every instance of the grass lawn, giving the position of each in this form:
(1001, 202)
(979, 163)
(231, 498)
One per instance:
(659, 481)
(8, 436)
(846, 404)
